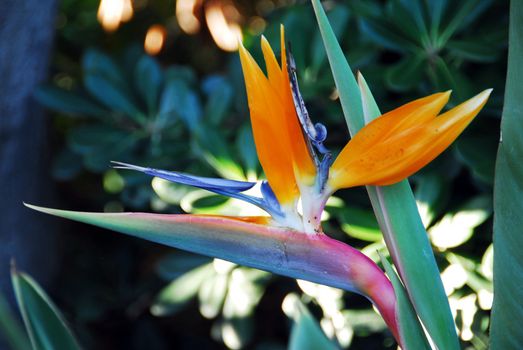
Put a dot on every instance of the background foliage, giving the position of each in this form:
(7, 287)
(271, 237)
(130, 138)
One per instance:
(185, 110)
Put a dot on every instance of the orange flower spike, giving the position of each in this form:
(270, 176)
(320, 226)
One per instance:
(413, 113)
(304, 168)
(269, 130)
(403, 146)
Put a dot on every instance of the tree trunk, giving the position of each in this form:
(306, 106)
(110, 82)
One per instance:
(26, 33)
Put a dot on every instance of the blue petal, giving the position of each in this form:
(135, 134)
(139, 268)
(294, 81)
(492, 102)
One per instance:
(207, 183)
(229, 188)
(270, 199)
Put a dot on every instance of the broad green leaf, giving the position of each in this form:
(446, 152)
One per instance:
(10, 328)
(408, 17)
(477, 148)
(456, 228)
(210, 143)
(247, 150)
(169, 192)
(104, 80)
(395, 208)
(487, 262)
(97, 62)
(507, 310)
(112, 97)
(69, 102)
(360, 224)
(177, 263)
(411, 332)
(466, 12)
(178, 100)
(436, 10)
(306, 333)
(406, 74)
(431, 195)
(212, 294)
(219, 99)
(473, 50)
(246, 284)
(45, 325)
(148, 80)
(386, 36)
(175, 295)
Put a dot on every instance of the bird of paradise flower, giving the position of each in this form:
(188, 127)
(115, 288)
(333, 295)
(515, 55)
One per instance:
(298, 166)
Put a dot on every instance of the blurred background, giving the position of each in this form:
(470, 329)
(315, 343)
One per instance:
(158, 83)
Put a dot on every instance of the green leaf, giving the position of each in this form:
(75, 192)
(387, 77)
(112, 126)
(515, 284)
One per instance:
(360, 224)
(220, 95)
(103, 80)
(384, 35)
(395, 208)
(45, 325)
(411, 332)
(248, 285)
(436, 10)
(212, 295)
(11, 328)
(247, 149)
(97, 62)
(406, 74)
(112, 97)
(456, 228)
(477, 148)
(179, 100)
(431, 195)
(100, 144)
(306, 333)
(409, 18)
(179, 292)
(148, 80)
(507, 310)
(69, 102)
(474, 50)
(339, 18)
(466, 12)
(211, 145)
(177, 263)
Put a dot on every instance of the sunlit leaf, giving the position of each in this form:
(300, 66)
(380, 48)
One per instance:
(456, 228)
(360, 224)
(174, 296)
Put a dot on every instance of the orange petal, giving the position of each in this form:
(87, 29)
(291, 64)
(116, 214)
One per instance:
(413, 113)
(403, 153)
(279, 79)
(270, 136)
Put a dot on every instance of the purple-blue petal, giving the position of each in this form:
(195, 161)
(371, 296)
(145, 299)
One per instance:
(207, 183)
(229, 188)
